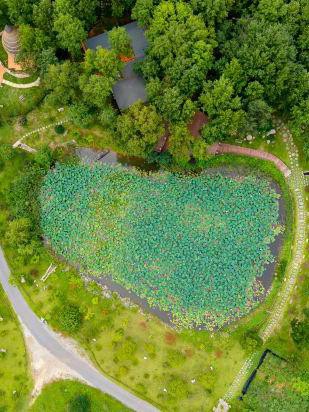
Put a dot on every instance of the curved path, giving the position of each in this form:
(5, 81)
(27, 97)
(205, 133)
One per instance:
(49, 340)
(296, 181)
(221, 148)
(36, 83)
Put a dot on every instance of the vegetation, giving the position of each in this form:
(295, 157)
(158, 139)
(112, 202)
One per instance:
(14, 376)
(72, 396)
(144, 231)
(279, 385)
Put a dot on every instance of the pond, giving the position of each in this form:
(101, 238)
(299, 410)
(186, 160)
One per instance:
(237, 174)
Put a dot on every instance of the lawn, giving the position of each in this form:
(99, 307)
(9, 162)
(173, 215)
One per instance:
(185, 243)
(15, 382)
(13, 106)
(73, 396)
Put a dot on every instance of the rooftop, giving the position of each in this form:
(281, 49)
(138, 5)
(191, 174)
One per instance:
(132, 86)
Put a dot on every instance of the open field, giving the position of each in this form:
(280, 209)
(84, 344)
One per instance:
(73, 396)
(15, 383)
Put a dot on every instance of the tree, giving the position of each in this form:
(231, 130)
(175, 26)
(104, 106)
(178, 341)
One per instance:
(138, 129)
(33, 42)
(81, 114)
(70, 33)
(102, 61)
(61, 82)
(4, 13)
(143, 11)
(120, 41)
(227, 118)
(83, 10)
(179, 56)
(264, 50)
(213, 11)
(20, 12)
(43, 15)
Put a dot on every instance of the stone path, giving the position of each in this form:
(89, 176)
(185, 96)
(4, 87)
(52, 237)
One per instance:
(220, 148)
(40, 129)
(296, 181)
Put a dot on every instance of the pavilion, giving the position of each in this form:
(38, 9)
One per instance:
(11, 44)
(131, 87)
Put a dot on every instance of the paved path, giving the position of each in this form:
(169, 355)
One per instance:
(296, 181)
(48, 339)
(36, 83)
(220, 148)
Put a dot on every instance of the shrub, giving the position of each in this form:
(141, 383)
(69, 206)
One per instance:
(69, 318)
(251, 341)
(81, 403)
(59, 129)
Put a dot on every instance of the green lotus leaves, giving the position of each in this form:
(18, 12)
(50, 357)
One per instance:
(193, 245)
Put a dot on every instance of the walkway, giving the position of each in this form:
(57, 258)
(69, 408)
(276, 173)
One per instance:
(50, 340)
(36, 83)
(220, 148)
(40, 129)
(296, 181)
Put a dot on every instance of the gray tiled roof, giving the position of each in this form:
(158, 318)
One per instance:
(132, 87)
(128, 91)
(136, 34)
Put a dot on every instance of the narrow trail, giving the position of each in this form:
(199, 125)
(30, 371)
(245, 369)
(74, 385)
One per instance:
(296, 181)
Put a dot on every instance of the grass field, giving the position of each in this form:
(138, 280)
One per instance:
(15, 382)
(73, 396)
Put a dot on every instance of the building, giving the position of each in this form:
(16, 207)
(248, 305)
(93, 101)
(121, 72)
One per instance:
(11, 44)
(131, 87)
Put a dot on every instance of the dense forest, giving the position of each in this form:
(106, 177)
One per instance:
(239, 61)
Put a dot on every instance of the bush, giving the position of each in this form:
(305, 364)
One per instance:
(69, 318)
(251, 341)
(59, 129)
(81, 403)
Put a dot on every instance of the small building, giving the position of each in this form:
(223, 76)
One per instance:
(11, 44)
(131, 87)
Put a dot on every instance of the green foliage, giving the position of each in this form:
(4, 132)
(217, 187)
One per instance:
(142, 11)
(278, 386)
(59, 129)
(300, 330)
(226, 224)
(177, 388)
(178, 57)
(70, 33)
(120, 41)
(69, 317)
(81, 114)
(61, 82)
(138, 129)
(81, 403)
(251, 341)
(73, 396)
